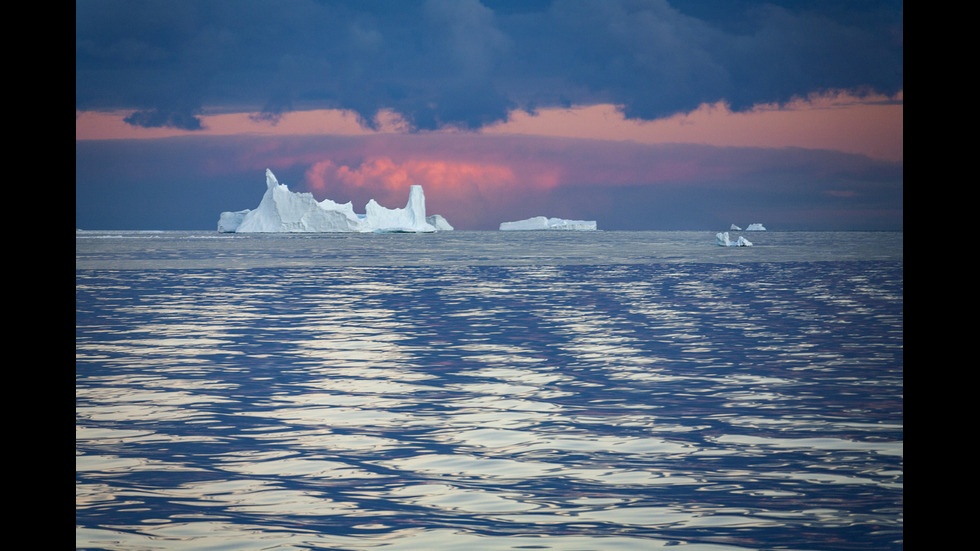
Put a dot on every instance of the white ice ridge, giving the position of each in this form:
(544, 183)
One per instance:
(544, 223)
(755, 227)
(723, 241)
(284, 211)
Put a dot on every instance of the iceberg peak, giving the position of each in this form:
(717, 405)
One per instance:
(270, 179)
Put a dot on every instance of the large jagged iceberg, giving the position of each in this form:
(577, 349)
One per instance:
(723, 241)
(545, 223)
(285, 211)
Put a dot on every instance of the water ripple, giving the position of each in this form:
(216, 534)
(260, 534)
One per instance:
(722, 406)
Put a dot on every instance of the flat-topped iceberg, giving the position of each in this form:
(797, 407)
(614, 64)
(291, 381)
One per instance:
(285, 211)
(723, 241)
(545, 223)
(755, 227)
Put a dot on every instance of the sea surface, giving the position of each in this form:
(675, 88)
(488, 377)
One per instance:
(488, 391)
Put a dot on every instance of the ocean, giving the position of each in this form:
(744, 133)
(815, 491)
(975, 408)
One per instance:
(488, 391)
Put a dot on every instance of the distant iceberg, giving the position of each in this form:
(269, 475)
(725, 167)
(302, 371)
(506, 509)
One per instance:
(545, 223)
(735, 228)
(284, 211)
(755, 227)
(723, 241)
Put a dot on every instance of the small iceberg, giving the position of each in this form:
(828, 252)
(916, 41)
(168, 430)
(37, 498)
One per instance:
(545, 223)
(755, 227)
(723, 241)
(735, 228)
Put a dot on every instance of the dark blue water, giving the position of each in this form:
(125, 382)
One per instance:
(486, 390)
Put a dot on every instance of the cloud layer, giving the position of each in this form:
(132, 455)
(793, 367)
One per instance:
(468, 63)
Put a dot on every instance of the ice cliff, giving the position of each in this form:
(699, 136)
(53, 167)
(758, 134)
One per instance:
(723, 241)
(285, 211)
(544, 223)
(439, 222)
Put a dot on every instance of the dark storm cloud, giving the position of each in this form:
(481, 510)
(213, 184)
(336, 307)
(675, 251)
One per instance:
(466, 63)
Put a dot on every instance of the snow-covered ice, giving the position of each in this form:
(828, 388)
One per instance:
(723, 241)
(545, 223)
(439, 222)
(228, 222)
(284, 211)
(755, 227)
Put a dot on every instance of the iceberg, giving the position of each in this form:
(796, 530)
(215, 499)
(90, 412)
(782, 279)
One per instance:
(544, 223)
(439, 222)
(723, 241)
(735, 228)
(228, 222)
(285, 211)
(755, 227)
(409, 219)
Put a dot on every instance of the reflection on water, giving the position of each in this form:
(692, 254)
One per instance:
(721, 405)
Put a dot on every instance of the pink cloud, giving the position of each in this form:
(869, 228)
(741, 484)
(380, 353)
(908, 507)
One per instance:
(870, 125)
(383, 173)
(453, 187)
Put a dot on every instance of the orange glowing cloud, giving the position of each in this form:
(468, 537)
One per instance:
(383, 173)
(447, 183)
(868, 125)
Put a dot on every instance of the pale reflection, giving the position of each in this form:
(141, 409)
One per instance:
(325, 439)
(139, 413)
(306, 403)
(887, 448)
(522, 441)
(336, 417)
(467, 466)
(675, 518)
(538, 377)
(286, 464)
(448, 497)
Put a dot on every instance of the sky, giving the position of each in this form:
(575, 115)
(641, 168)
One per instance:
(639, 114)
